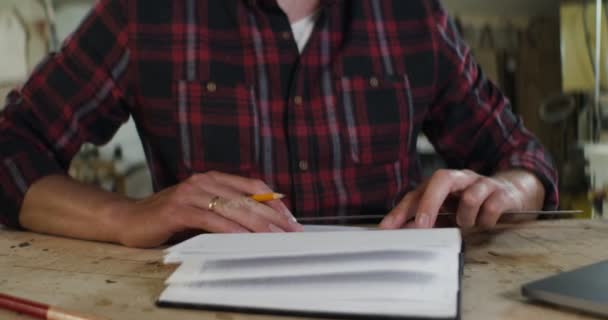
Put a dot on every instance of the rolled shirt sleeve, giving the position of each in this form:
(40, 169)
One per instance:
(75, 96)
(471, 123)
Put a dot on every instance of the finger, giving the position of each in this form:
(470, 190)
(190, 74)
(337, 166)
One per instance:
(256, 217)
(209, 221)
(493, 208)
(410, 225)
(400, 215)
(274, 212)
(222, 191)
(201, 203)
(278, 213)
(199, 191)
(396, 219)
(189, 194)
(471, 201)
(242, 184)
(441, 184)
(279, 206)
(210, 184)
(253, 186)
(205, 183)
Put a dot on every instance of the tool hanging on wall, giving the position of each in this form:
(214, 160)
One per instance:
(488, 56)
(512, 38)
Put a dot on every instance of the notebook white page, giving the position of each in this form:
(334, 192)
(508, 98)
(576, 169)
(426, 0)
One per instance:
(179, 257)
(362, 285)
(329, 228)
(441, 306)
(407, 273)
(321, 242)
(310, 264)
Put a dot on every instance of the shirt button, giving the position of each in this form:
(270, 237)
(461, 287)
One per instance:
(303, 165)
(297, 100)
(286, 35)
(373, 81)
(211, 87)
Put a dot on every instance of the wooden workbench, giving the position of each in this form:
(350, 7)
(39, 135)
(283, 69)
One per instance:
(121, 283)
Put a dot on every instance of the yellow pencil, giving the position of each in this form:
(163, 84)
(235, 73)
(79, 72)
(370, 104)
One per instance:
(267, 197)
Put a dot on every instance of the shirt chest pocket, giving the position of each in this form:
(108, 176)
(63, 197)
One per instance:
(218, 126)
(376, 118)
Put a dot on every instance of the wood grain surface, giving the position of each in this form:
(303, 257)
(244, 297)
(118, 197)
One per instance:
(120, 283)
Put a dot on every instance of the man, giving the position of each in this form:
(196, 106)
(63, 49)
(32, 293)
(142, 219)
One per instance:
(227, 106)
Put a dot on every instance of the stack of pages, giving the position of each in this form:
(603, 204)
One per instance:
(371, 273)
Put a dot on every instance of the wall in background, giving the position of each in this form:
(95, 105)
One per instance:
(23, 32)
(69, 14)
(511, 8)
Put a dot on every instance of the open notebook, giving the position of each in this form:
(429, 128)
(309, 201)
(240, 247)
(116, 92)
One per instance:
(346, 273)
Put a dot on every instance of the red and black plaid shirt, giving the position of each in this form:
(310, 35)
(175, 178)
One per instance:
(220, 85)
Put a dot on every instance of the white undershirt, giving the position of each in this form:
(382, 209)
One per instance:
(302, 29)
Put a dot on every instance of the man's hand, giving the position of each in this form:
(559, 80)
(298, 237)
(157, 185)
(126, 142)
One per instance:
(152, 221)
(482, 200)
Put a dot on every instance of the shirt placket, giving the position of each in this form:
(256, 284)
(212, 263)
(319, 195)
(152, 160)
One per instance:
(281, 99)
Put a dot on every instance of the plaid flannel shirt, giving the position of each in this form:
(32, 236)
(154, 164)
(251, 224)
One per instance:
(220, 85)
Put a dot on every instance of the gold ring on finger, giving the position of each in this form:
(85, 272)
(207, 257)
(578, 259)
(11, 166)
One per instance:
(213, 203)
